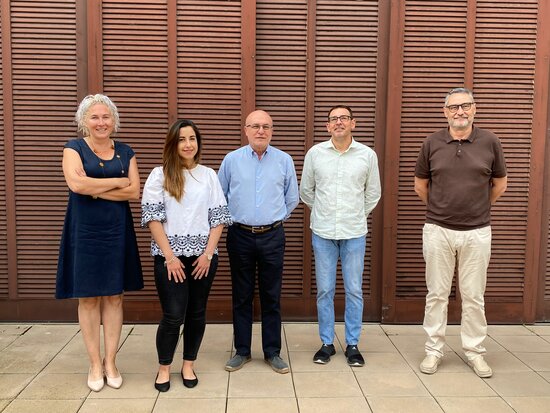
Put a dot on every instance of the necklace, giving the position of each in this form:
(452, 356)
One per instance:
(97, 153)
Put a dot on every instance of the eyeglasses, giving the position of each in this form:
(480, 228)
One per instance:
(257, 127)
(341, 118)
(465, 106)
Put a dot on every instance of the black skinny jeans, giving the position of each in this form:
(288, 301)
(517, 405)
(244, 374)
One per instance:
(182, 303)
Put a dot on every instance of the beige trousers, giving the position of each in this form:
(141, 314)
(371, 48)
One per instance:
(442, 249)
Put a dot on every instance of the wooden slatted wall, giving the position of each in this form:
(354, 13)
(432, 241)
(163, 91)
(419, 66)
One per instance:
(3, 228)
(209, 90)
(345, 73)
(44, 101)
(281, 40)
(135, 67)
(501, 47)
(504, 68)
(433, 62)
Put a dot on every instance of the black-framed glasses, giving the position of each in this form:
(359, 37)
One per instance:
(465, 106)
(256, 126)
(341, 118)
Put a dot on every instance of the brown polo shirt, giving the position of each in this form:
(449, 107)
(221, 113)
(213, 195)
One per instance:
(460, 173)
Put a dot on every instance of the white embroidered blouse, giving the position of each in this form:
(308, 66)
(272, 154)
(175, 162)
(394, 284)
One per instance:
(186, 222)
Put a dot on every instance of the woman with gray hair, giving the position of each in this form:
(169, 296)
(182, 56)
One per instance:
(98, 255)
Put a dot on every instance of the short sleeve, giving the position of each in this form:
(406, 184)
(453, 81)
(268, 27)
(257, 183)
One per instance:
(218, 212)
(153, 206)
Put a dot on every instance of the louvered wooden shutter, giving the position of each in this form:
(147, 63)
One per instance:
(44, 103)
(3, 227)
(209, 92)
(135, 67)
(345, 73)
(503, 86)
(280, 90)
(434, 50)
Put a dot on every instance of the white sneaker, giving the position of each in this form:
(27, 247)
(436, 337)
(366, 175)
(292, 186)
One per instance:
(429, 364)
(481, 367)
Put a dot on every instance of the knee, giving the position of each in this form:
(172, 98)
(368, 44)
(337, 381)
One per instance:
(89, 303)
(325, 291)
(113, 300)
(172, 320)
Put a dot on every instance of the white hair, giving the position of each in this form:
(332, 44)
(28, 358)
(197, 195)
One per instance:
(84, 107)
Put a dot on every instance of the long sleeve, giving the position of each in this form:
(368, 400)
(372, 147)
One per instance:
(373, 189)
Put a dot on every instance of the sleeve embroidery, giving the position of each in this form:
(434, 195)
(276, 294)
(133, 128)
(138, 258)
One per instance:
(219, 215)
(152, 212)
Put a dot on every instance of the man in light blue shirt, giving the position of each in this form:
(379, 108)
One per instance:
(341, 185)
(259, 182)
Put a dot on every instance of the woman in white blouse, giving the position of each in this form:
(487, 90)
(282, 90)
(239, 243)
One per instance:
(185, 209)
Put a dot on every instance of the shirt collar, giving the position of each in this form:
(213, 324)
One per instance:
(471, 138)
(330, 144)
(253, 153)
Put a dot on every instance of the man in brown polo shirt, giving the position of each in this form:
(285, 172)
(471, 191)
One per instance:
(460, 172)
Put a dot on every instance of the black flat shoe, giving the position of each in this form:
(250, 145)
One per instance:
(190, 383)
(162, 387)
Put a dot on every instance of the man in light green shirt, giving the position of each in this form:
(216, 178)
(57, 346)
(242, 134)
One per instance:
(341, 185)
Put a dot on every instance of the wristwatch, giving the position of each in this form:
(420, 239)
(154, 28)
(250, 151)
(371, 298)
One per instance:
(208, 256)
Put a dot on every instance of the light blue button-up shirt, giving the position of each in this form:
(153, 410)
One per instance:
(259, 191)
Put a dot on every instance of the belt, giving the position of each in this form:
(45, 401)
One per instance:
(260, 229)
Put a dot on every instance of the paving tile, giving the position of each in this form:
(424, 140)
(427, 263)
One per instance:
(135, 386)
(519, 384)
(260, 384)
(24, 360)
(302, 361)
(391, 384)
(144, 330)
(504, 361)
(48, 335)
(117, 406)
(48, 386)
(6, 340)
(412, 343)
(404, 330)
(217, 338)
(68, 363)
(12, 384)
(456, 385)
(390, 362)
(529, 404)
(535, 361)
(474, 405)
(76, 344)
(144, 362)
(367, 330)
(299, 341)
(213, 362)
(33, 406)
(509, 330)
(333, 405)
(190, 405)
(377, 343)
(13, 329)
(541, 330)
(4, 403)
(326, 384)
(545, 375)
(403, 405)
(211, 386)
(279, 405)
(525, 344)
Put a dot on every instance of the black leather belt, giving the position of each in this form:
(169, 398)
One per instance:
(261, 229)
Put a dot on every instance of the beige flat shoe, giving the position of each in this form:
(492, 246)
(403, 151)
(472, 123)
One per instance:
(95, 385)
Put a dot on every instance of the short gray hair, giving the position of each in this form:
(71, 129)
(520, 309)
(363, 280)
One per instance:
(87, 103)
(459, 90)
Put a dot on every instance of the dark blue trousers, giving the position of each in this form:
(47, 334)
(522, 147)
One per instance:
(249, 252)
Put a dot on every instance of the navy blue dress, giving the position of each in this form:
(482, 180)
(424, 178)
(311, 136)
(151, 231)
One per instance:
(98, 255)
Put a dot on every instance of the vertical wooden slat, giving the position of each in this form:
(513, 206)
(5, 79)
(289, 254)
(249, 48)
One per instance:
(43, 38)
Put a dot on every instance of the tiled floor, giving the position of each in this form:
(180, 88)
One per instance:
(43, 369)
